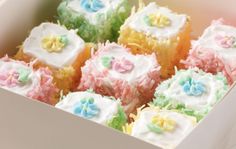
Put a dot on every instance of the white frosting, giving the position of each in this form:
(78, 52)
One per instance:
(137, 23)
(22, 89)
(93, 17)
(184, 126)
(207, 40)
(32, 45)
(142, 63)
(108, 107)
(173, 90)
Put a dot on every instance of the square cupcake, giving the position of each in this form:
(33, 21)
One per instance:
(163, 128)
(114, 71)
(215, 50)
(59, 49)
(97, 108)
(20, 77)
(95, 20)
(155, 29)
(192, 92)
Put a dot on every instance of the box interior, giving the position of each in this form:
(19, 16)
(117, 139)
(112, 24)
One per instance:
(19, 17)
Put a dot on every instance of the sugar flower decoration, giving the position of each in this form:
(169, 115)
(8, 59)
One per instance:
(157, 20)
(159, 124)
(226, 41)
(9, 78)
(119, 65)
(86, 108)
(192, 87)
(122, 65)
(92, 5)
(54, 43)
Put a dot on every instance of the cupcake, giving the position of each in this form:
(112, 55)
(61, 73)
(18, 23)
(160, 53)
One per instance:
(163, 128)
(114, 71)
(154, 29)
(59, 49)
(215, 51)
(21, 78)
(100, 109)
(95, 20)
(192, 92)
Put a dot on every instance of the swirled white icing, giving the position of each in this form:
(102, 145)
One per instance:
(137, 22)
(93, 17)
(32, 45)
(108, 107)
(167, 139)
(208, 41)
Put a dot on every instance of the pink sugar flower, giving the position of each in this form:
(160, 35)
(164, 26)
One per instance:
(122, 65)
(225, 41)
(9, 79)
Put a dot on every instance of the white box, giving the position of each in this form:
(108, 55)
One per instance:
(27, 124)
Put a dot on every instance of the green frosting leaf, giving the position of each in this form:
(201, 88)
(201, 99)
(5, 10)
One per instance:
(64, 39)
(90, 90)
(154, 128)
(23, 75)
(161, 101)
(106, 61)
(183, 80)
(119, 120)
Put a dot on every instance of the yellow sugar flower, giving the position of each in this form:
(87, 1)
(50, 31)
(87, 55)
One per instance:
(164, 123)
(54, 43)
(159, 20)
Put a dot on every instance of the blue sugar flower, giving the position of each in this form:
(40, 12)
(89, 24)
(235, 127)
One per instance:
(193, 88)
(92, 5)
(86, 108)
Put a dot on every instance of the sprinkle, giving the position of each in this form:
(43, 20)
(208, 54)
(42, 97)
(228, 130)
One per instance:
(92, 5)
(157, 20)
(127, 129)
(119, 120)
(54, 43)
(86, 108)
